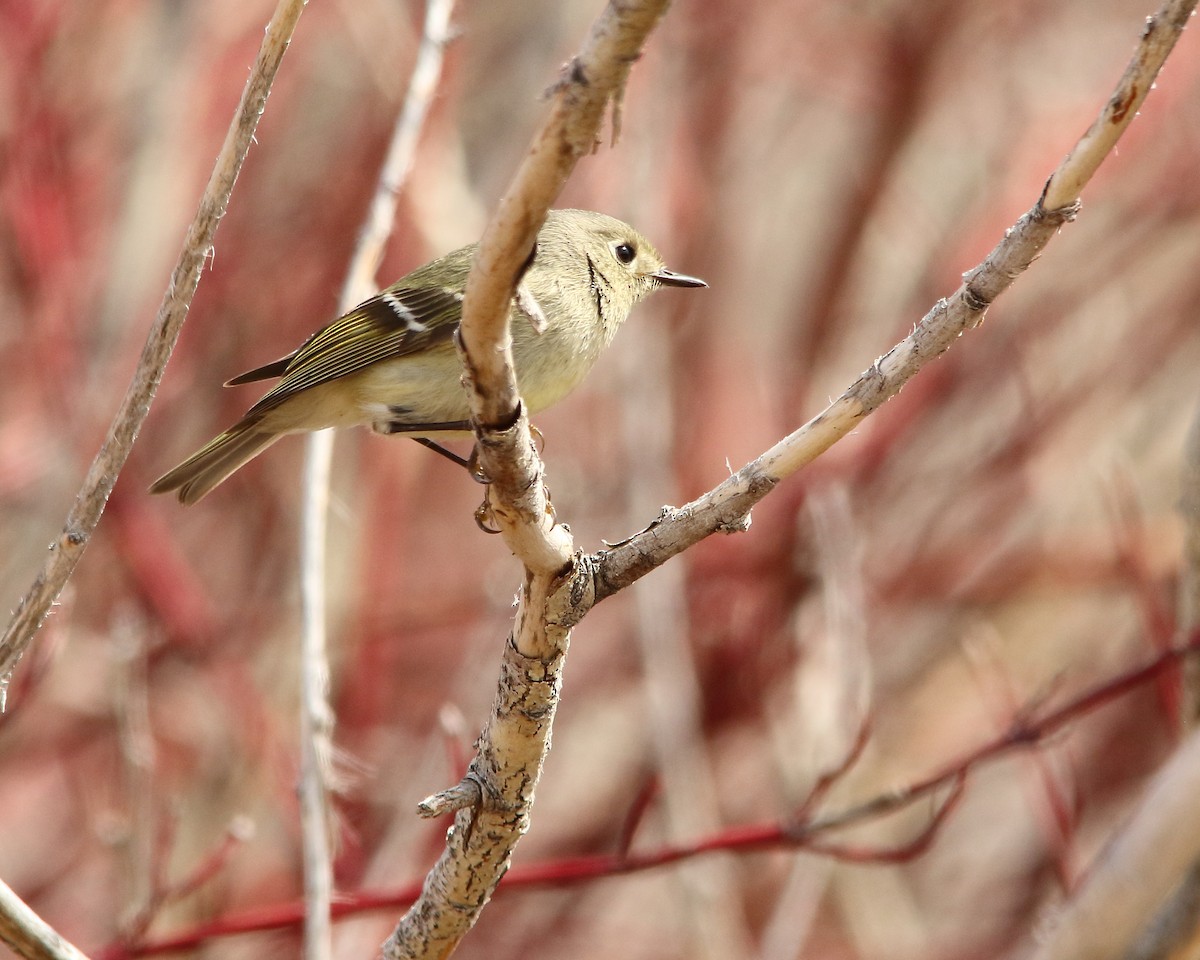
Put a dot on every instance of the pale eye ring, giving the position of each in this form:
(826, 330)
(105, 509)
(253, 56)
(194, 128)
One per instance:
(625, 253)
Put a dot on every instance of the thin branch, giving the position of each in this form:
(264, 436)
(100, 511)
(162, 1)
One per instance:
(317, 716)
(1158, 40)
(726, 508)
(28, 935)
(84, 514)
(805, 831)
(1140, 866)
(316, 712)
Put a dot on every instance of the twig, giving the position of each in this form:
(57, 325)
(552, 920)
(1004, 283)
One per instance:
(317, 716)
(1158, 39)
(1141, 865)
(84, 514)
(806, 831)
(28, 934)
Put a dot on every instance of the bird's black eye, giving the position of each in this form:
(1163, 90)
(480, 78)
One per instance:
(625, 253)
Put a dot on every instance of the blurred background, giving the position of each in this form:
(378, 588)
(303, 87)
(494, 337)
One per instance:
(1004, 533)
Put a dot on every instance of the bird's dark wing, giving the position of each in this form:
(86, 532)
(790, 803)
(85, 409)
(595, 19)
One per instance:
(394, 323)
(268, 371)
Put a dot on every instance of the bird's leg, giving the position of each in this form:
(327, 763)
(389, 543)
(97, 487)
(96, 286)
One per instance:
(391, 427)
(468, 463)
(448, 454)
(400, 427)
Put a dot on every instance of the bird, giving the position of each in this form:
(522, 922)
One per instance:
(390, 363)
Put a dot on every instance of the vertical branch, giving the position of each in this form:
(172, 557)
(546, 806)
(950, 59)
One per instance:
(494, 801)
(316, 713)
(84, 514)
(317, 717)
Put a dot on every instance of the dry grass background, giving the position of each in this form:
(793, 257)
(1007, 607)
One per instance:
(1005, 531)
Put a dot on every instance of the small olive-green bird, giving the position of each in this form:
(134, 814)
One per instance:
(390, 363)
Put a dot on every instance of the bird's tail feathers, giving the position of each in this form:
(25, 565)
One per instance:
(214, 462)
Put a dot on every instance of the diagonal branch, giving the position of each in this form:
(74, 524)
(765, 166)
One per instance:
(726, 508)
(84, 515)
(28, 935)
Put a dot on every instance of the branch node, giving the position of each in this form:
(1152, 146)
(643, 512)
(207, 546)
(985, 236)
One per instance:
(738, 524)
(975, 300)
(466, 793)
(1059, 215)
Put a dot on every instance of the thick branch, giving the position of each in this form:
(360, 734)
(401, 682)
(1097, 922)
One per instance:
(517, 735)
(589, 83)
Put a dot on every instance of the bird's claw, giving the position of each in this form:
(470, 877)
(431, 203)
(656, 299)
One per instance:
(484, 517)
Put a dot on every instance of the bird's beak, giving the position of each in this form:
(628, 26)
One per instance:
(670, 278)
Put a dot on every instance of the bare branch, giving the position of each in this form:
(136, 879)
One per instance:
(589, 83)
(85, 513)
(28, 934)
(459, 797)
(726, 508)
(1158, 39)
(517, 735)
